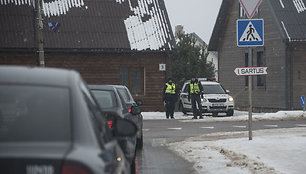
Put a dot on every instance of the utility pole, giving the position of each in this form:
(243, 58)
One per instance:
(40, 36)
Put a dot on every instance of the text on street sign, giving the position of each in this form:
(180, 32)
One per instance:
(251, 71)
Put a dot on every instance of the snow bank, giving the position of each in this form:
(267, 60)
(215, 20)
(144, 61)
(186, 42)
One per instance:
(270, 151)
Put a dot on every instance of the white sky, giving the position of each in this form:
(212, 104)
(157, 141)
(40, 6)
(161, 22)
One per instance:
(197, 16)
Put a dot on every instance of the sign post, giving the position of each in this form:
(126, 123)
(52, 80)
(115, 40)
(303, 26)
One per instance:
(250, 50)
(251, 71)
(250, 33)
(303, 102)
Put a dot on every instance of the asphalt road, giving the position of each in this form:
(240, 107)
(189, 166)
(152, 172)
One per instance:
(156, 158)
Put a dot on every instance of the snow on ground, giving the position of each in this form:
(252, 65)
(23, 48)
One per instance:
(271, 151)
(238, 116)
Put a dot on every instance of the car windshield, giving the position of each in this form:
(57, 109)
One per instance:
(213, 89)
(34, 113)
(106, 99)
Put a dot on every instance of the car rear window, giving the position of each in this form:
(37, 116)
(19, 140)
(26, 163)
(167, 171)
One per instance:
(34, 113)
(105, 98)
(213, 89)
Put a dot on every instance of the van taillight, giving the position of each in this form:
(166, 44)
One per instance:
(69, 168)
(130, 110)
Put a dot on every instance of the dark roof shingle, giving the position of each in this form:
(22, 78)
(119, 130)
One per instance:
(88, 24)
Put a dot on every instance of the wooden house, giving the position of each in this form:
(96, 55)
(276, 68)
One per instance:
(108, 41)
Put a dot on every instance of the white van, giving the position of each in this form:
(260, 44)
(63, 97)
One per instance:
(216, 99)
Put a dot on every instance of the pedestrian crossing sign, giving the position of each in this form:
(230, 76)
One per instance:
(250, 32)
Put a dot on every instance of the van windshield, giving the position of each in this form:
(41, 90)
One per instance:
(213, 89)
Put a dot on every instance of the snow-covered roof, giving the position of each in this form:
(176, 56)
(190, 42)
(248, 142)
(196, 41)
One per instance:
(88, 24)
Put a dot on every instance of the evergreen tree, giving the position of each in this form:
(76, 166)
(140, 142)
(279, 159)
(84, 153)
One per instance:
(189, 59)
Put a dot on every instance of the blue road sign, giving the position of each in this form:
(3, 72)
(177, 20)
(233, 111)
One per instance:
(302, 101)
(250, 32)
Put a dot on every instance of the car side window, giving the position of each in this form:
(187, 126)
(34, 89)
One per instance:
(124, 94)
(96, 116)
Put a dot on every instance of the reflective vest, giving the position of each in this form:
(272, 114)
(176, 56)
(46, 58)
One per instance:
(194, 88)
(170, 88)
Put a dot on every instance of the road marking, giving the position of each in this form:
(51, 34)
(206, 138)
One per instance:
(300, 125)
(271, 125)
(208, 127)
(175, 128)
(158, 142)
(239, 126)
(145, 130)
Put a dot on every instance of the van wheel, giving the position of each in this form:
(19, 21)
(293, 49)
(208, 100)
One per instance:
(182, 108)
(230, 112)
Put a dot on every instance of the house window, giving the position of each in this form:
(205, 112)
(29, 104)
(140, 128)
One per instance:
(133, 78)
(261, 80)
(124, 76)
(299, 75)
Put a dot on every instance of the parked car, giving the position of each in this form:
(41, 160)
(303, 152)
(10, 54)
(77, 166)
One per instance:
(117, 99)
(216, 99)
(51, 124)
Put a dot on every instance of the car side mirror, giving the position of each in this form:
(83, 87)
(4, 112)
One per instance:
(124, 128)
(135, 110)
(139, 103)
(227, 91)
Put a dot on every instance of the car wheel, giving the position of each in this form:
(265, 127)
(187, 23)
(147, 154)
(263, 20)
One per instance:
(139, 142)
(230, 112)
(214, 114)
(182, 108)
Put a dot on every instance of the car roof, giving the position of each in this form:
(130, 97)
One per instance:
(209, 83)
(36, 75)
(105, 87)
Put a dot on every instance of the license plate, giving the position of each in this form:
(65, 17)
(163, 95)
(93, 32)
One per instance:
(217, 104)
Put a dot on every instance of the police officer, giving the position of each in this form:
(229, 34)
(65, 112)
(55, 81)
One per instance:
(195, 92)
(169, 97)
